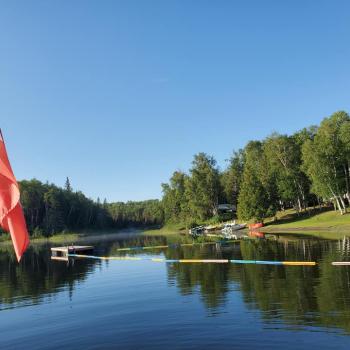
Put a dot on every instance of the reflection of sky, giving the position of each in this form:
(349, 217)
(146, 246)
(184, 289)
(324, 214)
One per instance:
(140, 304)
(130, 304)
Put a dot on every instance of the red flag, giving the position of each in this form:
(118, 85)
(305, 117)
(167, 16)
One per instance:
(11, 213)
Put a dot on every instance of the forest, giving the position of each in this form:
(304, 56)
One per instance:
(306, 169)
(50, 209)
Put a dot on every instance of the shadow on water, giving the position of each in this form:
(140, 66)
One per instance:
(298, 295)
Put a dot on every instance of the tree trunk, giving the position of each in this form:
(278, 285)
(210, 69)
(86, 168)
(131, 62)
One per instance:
(302, 193)
(299, 204)
(348, 197)
(342, 203)
(346, 172)
(334, 205)
(281, 205)
(336, 198)
(338, 204)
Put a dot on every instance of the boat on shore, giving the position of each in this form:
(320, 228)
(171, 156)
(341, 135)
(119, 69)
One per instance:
(255, 226)
(197, 231)
(229, 229)
(212, 228)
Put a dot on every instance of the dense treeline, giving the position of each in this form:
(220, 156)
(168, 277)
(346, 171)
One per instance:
(308, 168)
(50, 209)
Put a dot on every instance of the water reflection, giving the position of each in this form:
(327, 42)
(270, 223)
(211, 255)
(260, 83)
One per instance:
(36, 277)
(300, 295)
(296, 296)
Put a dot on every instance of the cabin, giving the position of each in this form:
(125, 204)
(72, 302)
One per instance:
(227, 208)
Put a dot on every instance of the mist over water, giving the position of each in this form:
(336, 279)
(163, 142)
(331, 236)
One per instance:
(94, 304)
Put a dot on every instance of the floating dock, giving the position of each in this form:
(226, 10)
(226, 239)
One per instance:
(62, 253)
(191, 261)
(341, 263)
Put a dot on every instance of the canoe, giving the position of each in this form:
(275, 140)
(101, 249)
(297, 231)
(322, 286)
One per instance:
(255, 226)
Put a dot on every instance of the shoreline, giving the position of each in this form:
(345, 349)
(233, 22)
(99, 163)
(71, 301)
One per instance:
(306, 229)
(327, 224)
(69, 238)
(323, 224)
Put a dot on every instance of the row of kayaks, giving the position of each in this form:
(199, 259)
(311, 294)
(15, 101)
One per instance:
(227, 230)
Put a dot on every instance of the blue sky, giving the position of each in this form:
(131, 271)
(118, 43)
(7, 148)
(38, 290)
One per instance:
(119, 94)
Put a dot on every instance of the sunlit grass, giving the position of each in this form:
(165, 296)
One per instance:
(318, 223)
(59, 238)
(169, 229)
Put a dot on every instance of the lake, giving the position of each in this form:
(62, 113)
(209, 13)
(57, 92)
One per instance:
(93, 304)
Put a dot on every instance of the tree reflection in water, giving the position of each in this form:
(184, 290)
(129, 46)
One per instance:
(298, 295)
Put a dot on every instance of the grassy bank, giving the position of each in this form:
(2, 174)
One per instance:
(59, 238)
(310, 223)
(326, 224)
(67, 237)
(168, 229)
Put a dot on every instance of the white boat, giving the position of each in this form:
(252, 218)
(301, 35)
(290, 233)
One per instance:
(228, 229)
(197, 231)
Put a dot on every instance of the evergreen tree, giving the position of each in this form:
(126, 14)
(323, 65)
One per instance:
(67, 185)
(53, 220)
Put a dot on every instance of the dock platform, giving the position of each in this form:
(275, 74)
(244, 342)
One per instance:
(61, 253)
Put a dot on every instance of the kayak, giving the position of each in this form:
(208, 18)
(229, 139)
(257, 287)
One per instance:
(255, 226)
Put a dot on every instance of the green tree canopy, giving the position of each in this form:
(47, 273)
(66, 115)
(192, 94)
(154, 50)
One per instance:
(203, 187)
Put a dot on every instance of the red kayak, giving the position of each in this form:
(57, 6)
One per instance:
(255, 226)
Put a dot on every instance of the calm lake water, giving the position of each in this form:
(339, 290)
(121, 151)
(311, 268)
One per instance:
(91, 304)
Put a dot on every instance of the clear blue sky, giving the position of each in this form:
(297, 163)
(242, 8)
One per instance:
(119, 94)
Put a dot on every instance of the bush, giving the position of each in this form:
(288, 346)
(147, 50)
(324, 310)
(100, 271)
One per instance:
(215, 220)
(37, 232)
(191, 223)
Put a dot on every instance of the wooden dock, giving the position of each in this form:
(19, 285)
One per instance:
(61, 253)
